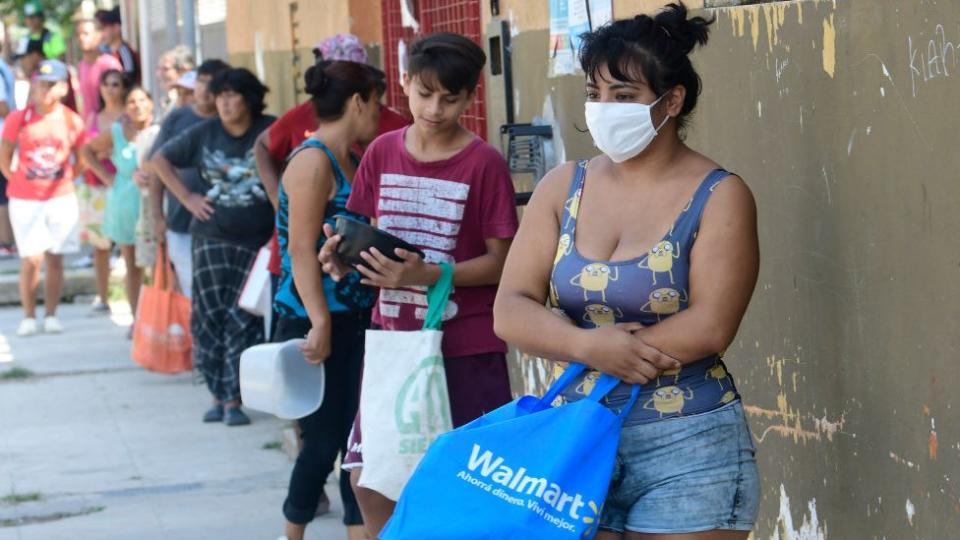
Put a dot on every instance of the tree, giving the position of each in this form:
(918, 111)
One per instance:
(58, 12)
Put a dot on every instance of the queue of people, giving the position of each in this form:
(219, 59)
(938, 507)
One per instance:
(653, 300)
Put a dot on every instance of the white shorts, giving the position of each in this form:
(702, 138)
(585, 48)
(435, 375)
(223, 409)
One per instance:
(46, 226)
(180, 251)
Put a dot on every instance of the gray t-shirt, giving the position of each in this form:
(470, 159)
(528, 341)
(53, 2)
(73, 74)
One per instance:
(242, 212)
(178, 121)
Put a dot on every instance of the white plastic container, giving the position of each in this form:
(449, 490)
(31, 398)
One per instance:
(276, 379)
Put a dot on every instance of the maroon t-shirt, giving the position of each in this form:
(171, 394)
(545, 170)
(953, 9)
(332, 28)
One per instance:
(448, 209)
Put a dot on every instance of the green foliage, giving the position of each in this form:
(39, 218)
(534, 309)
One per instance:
(16, 373)
(19, 498)
(58, 12)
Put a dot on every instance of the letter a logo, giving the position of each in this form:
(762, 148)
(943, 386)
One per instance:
(422, 404)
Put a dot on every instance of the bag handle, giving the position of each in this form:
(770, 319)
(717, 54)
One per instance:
(562, 382)
(438, 295)
(162, 270)
(605, 384)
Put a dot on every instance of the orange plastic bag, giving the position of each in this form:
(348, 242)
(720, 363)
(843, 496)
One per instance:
(161, 334)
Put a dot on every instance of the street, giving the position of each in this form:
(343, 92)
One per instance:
(94, 447)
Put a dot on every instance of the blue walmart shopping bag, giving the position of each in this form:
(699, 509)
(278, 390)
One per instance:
(524, 471)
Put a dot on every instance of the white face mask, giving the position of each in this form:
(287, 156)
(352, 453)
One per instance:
(622, 130)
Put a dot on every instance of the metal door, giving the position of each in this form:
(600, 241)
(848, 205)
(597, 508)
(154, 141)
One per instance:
(458, 16)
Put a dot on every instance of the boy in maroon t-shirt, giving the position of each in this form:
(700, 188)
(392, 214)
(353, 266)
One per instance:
(442, 189)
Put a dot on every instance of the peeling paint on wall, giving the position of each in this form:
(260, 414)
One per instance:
(903, 461)
(932, 443)
(810, 528)
(829, 46)
(788, 422)
(746, 20)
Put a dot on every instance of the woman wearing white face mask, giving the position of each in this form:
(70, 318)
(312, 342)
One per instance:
(651, 251)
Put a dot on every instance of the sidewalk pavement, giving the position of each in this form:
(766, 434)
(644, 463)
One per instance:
(110, 451)
(77, 281)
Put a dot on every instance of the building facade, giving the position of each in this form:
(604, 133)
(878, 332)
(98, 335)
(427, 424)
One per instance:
(839, 115)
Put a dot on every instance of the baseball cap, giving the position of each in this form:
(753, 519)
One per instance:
(51, 71)
(344, 47)
(33, 8)
(107, 17)
(188, 80)
(27, 46)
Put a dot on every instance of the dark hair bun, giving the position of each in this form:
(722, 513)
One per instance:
(316, 79)
(688, 33)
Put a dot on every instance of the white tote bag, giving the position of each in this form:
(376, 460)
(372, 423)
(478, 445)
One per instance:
(403, 403)
(255, 295)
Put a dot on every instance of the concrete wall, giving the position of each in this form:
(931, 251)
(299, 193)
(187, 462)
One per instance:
(842, 118)
(260, 38)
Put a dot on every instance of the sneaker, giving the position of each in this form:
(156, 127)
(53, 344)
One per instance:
(83, 262)
(51, 325)
(28, 327)
(100, 308)
(235, 417)
(215, 414)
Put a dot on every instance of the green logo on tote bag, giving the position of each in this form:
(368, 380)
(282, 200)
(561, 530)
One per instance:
(422, 408)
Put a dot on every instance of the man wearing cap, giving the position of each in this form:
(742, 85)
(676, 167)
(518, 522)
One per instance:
(171, 219)
(51, 42)
(46, 137)
(171, 67)
(113, 43)
(91, 66)
(30, 57)
(184, 89)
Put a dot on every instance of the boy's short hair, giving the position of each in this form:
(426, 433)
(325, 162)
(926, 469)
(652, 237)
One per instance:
(452, 60)
(245, 83)
(212, 67)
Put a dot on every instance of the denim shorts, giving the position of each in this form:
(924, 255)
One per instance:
(684, 475)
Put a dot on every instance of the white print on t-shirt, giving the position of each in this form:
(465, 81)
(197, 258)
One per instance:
(41, 162)
(427, 213)
(235, 182)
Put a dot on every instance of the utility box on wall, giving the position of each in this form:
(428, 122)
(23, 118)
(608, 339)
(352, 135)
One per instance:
(499, 78)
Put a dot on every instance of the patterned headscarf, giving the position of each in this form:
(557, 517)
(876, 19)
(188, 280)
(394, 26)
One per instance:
(345, 47)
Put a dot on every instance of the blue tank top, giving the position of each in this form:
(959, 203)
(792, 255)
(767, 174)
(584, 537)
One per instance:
(647, 289)
(347, 294)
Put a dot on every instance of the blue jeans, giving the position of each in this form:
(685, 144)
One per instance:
(686, 474)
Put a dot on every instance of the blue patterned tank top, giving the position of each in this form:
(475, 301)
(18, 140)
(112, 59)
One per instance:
(647, 289)
(344, 295)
